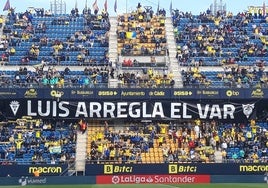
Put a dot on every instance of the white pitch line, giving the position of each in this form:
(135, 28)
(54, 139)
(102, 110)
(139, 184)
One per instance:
(170, 186)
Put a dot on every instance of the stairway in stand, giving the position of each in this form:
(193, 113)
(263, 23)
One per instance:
(113, 55)
(172, 48)
(81, 152)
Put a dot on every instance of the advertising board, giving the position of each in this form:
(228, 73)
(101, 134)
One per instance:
(152, 179)
(28, 170)
(178, 169)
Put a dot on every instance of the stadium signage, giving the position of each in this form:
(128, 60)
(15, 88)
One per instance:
(82, 92)
(111, 169)
(28, 170)
(232, 93)
(253, 168)
(152, 179)
(31, 93)
(46, 169)
(175, 110)
(134, 93)
(23, 181)
(257, 93)
(177, 169)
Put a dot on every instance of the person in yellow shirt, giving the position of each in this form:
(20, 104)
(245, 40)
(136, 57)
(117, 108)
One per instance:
(1, 21)
(150, 72)
(61, 83)
(255, 157)
(160, 141)
(252, 122)
(140, 18)
(112, 154)
(198, 122)
(254, 130)
(100, 148)
(18, 144)
(162, 22)
(38, 134)
(157, 80)
(12, 51)
(233, 132)
(163, 129)
(127, 154)
(217, 140)
(217, 21)
(100, 136)
(199, 37)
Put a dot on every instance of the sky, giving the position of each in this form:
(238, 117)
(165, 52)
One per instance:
(194, 6)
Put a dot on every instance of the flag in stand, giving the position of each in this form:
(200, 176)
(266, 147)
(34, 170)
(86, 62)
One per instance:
(75, 6)
(157, 8)
(264, 9)
(131, 34)
(95, 6)
(7, 6)
(170, 7)
(105, 6)
(86, 5)
(115, 6)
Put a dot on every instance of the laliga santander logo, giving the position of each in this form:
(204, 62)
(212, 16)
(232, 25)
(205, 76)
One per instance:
(115, 179)
(132, 179)
(149, 179)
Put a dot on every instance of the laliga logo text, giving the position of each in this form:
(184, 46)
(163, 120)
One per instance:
(132, 179)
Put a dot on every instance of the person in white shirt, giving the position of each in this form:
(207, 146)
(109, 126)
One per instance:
(197, 131)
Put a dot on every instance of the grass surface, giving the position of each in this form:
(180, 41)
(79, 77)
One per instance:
(220, 185)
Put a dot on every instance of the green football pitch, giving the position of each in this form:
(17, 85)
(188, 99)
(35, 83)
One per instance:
(218, 185)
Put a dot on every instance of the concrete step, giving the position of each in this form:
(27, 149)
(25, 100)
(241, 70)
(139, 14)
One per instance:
(218, 156)
(81, 149)
(80, 168)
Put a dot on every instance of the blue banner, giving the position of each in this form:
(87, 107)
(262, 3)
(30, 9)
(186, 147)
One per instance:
(28, 170)
(133, 93)
(47, 180)
(184, 168)
(237, 179)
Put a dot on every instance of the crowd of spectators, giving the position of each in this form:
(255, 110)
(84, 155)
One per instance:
(193, 141)
(230, 77)
(49, 76)
(28, 141)
(201, 39)
(29, 39)
(142, 32)
(37, 141)
(40, 31)
(224, 40)
(148, 78)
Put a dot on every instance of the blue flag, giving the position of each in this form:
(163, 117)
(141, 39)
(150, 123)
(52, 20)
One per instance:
(7, 6)
(170, 7)
(115, 6)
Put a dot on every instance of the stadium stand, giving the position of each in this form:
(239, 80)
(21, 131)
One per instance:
(142, 33)
(234, 42)
(57, 39)
(195, 141)
(71, 51)
(32, 141)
